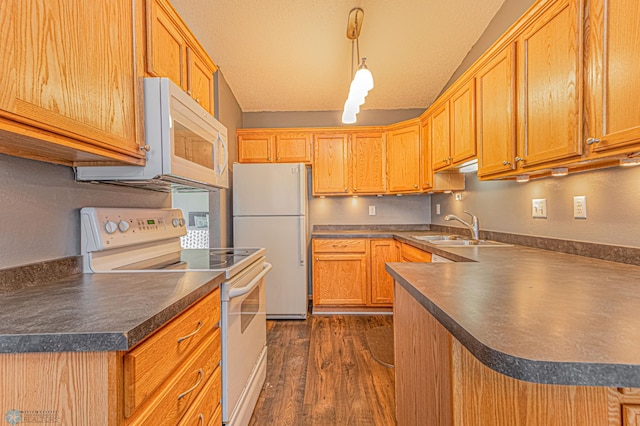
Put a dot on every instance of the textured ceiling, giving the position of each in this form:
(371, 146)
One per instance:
(293, 55)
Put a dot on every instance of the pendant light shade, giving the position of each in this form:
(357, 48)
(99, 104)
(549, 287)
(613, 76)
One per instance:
(363, 79)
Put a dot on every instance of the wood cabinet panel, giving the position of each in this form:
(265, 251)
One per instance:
(613, 88)
(169, 346)
(340, 279)
(631, 415)
(348, 245)
(422, 359)
(403, 150)
(255, 148)
(69, 68)
(330, 164)
(413, 254)
(463, 123)
(200, 81)
(166, 47)
(550, 77)
(368, 160)
(440, 137)
(293, 148)
(205, 407)
(382, 251)
(426, 166)
(496, 100)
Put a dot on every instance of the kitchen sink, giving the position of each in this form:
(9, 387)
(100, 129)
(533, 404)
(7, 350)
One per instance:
(437, 237)
(469, 243)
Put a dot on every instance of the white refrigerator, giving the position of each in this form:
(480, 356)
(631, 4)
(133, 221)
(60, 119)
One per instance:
(270, 211)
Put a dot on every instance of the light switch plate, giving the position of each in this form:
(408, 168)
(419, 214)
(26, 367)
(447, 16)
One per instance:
(580, 207)
(437, 208)
(539, 208)
(372, 210)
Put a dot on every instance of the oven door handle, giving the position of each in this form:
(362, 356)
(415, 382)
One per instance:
(235, 292)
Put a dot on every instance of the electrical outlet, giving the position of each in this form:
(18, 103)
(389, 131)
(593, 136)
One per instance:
(539, 208)
(437, 208)
(372, 210)
(458, 196)
(580, 207)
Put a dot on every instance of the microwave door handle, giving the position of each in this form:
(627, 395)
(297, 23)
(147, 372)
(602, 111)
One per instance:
(235, 292)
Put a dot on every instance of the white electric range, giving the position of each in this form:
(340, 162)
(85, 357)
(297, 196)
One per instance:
(148, 240)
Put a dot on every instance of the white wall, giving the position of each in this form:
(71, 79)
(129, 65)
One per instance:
(613, 206)
(39, 209)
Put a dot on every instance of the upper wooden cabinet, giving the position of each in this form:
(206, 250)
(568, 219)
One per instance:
(403, 150)
(271, 147)
(453, 128)
(496, 108)
(368, 160)
(613, 86)
(69, 84)
(330, 164)
(173, 52)
(549, 85)
(426, 166)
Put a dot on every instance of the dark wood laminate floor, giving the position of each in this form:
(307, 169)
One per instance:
(321, 372)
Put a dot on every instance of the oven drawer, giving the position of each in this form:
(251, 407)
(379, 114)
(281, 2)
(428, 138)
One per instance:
(184, 389)
(203, 410)
(147, 365)
(349, 245)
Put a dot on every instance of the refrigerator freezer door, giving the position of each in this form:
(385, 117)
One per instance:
(269, 189)
(285, 239)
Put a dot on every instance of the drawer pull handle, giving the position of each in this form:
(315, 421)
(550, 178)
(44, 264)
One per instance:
(192, 333)
(192, 388)
(201, 418)
(339, 245)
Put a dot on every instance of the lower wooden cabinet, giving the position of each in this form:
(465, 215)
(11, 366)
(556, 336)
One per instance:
(350, 273)
(169, 383)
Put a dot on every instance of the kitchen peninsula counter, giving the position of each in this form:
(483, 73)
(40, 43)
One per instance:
(97, 312)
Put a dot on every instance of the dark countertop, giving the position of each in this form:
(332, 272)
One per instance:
(97, 312)
(532, 314)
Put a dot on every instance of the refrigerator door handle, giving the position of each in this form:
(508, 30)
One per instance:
(301, 188)
(303, 239)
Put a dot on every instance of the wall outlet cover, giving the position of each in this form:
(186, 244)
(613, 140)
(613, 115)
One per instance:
(437, 208)
(539, 208)
(372, 210)
(580, 207)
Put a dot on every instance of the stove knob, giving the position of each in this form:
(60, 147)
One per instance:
(123, 226)
(110, 227)
(175, 222)
(182, 222)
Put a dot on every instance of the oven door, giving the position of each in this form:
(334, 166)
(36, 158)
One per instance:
(244, 339)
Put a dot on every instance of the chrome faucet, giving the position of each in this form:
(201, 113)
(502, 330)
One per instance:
(474, 226)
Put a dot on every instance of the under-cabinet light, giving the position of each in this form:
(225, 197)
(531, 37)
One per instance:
(522, 178)
(559, 171)
(630, 162)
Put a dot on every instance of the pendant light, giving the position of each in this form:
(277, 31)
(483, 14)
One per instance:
(363, 79)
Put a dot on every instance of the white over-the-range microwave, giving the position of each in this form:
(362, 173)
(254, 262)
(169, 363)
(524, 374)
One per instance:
(187, 146)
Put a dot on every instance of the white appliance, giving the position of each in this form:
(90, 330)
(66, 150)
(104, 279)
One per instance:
(270, 210)
(439, 259)
(187, 146)
(148, 240)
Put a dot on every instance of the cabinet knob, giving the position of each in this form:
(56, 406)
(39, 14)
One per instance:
(317, 259)
(415, 186)
(189, 92)
(268, 158)
(505, 163)
(277, 158)
(427, 184)
(591, 141)
(519, 159)
(145, 148)
(355, 189)
(346, 190)
(198, 100)
(450, 158)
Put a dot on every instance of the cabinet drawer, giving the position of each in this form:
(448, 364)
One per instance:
(216, 420)
(182, 390)
(150, 363)
(204, 408)
(412, 254)
(339, 246)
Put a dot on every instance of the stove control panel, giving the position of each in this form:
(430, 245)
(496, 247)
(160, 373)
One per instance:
(108, 228)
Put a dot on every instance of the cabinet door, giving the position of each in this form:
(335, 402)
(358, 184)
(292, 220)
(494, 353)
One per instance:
(426, 166)
(549, 64)
(412, 254)
(255, 148)
(340, 279)
(293, 148)
(496, 100)
(440, 137)
(382, 251)
(463, 123)
(69, 68)
(613, 87)
(368, 159)
(403, 150)
(631, 415)
(200, 81)
(166, 46)
(330, 159)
